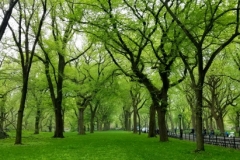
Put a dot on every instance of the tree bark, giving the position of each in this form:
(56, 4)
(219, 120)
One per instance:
(93, 110)
(106, 126)
(1, 121)
(139, 123)
(58, 122)
(50, 124)
(37, 121)
(127, 120)
(162, 109)
(135, 119)
(162, 124)
(18, 139)
(220, 124)
(237, 129)
(152, 121)
(2, 115)
(199, 126)
(81, 128)
(92, 123)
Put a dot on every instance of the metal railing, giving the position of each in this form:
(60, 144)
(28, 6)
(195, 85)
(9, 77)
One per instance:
(224, 141)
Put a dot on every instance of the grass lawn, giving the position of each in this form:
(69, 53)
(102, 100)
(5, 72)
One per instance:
(112, 145)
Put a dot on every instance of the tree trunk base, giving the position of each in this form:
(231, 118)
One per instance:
(81, 133)
(198, 151)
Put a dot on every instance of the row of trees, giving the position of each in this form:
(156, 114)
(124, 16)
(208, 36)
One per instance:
(85, 47)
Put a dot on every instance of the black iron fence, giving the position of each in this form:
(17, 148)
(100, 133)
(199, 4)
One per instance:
(224, 141)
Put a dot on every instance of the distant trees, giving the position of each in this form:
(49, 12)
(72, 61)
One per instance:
(220, 95)
(150, 55)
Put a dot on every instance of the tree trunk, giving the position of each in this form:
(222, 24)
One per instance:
(152, 121)
(193, 118)
(129, 121)
(220, 124)
(92, 123)
(237, 129)
(63, 118)
(37, 121)
(59, 129)
(162, 124)
(125, 120)
(56, 100)
(135, 119)
(199, 126)
(207, 121)
(50, 124)
(99, 126)
(171, 121)
(106, 126)
(81, 129)
(18, 139)
(161, 110)
(93, 110)
(211, 123)
(183, 123)
(2, 117)
(58, 122)
(139, 123)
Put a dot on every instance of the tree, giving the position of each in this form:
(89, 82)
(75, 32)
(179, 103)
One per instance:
(93, 79)
(138, 102)
(107, 93)
(26, 45)
(210, 26)
(221, 94)
(58, 43)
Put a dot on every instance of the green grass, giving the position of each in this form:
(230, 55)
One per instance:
(107, 146)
